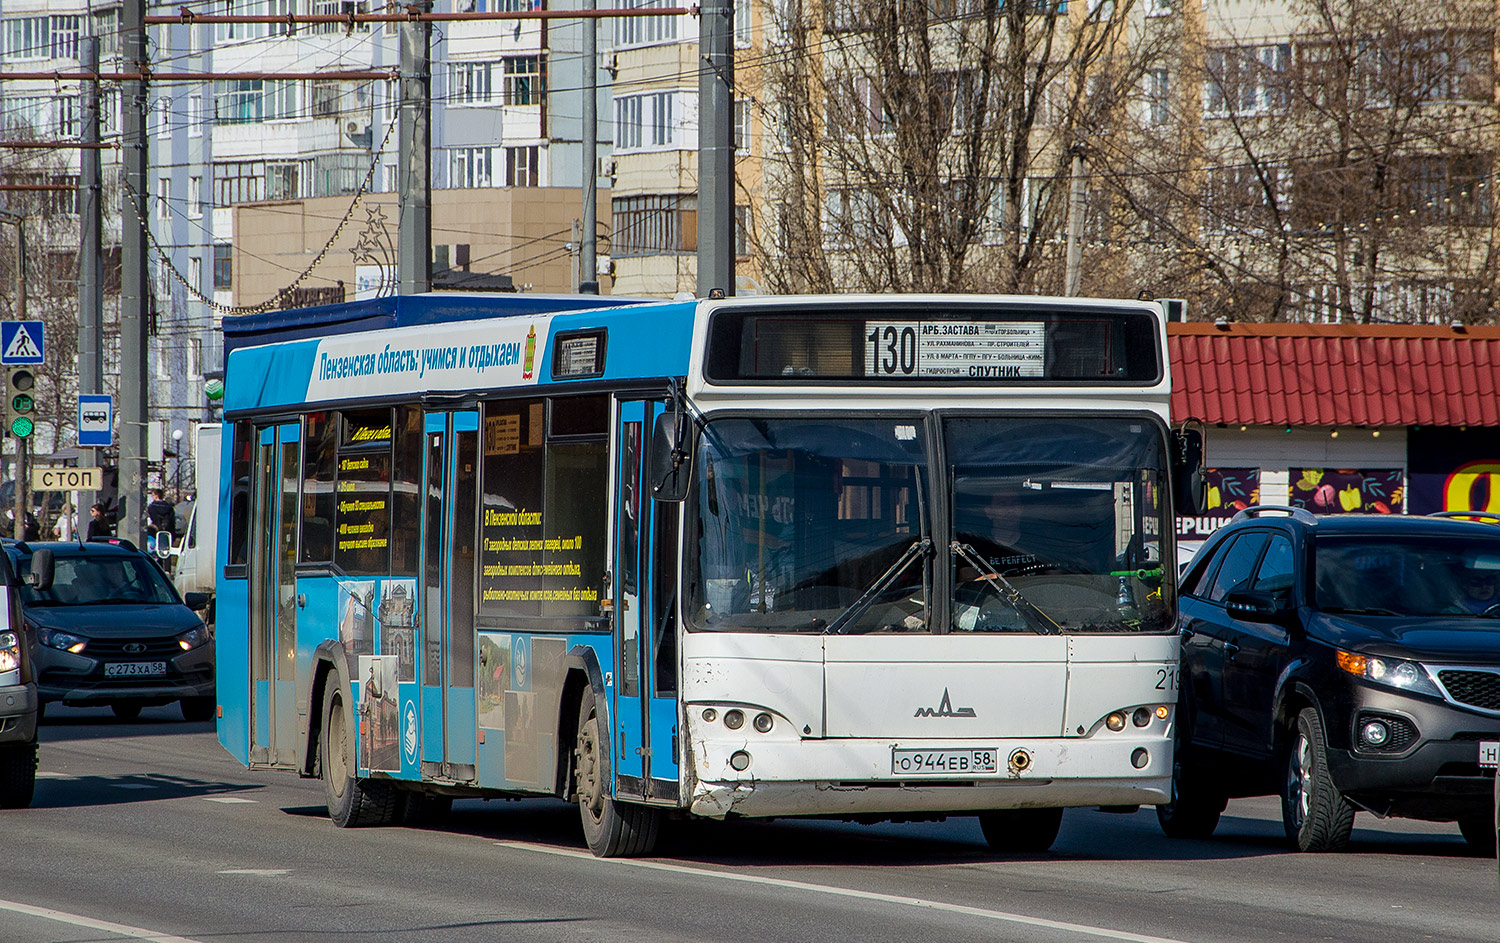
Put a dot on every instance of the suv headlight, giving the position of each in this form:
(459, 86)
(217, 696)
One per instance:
(63, 641)
(193, 638)
(1391, 672)
(10, 657)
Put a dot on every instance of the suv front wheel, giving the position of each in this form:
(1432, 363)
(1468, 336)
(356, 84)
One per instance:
(1315, 814)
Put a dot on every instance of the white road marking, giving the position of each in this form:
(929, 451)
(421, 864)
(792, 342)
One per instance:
(44, 775)
(258, 872)
(227, 800)
(89, 923)
(1000, 915)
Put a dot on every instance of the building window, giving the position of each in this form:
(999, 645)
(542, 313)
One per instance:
(164, 117)
(654, 225)
(524, 83)
(646, 120)
(223, 266)
(1157, 84)
(1246, 79)
(339, 8)
(28, 37)
(195, 273)
(470, 168)
(469, 83)
(282, 100)
(65, 33)
(67, 117)
(521, 166)
(742, 125)
(284, 181)
(239, 181)
(241, 101)
(164, 199)
(742, 231)
(639, 30)
(195, 116)
(195, 197)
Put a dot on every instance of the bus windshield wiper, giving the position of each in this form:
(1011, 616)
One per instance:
(1041, 623)
(919, 548)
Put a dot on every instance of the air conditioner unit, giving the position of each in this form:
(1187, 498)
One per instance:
(610, 62)
(604, 265)
(606, 166)
(357, 130)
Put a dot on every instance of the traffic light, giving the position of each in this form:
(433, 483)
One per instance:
(20, 403)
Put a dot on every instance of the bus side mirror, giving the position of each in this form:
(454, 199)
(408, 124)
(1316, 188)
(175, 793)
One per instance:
(670, 468)
(42, 570)
(1189, 477)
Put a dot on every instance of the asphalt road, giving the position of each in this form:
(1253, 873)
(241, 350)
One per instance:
(147, 830)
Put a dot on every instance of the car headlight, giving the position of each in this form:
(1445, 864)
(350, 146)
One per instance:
(63, 641)
(10, 655)
(192, 638)
(1392, 672)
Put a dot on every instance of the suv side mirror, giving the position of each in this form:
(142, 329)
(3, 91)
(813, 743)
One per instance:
(42, 570)
(1252, 605)
(195, 601)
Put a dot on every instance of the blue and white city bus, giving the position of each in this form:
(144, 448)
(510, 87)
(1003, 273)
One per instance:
(863, 556)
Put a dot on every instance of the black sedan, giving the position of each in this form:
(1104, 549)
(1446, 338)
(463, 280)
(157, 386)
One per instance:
(112, 630)
(1345, 663)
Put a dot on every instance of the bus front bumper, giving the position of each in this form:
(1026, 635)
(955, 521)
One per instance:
(748, 777)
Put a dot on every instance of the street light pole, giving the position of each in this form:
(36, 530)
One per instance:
(177, 470)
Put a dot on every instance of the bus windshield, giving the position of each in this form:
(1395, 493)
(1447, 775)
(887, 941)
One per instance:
(812, 525)
(1057, 525)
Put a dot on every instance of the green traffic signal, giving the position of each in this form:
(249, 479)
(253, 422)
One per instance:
(22, 427)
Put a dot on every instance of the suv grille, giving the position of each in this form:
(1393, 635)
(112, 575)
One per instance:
(1475, 688)
(116, 648)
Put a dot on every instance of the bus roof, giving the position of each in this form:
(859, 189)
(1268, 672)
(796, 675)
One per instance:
(352, 317)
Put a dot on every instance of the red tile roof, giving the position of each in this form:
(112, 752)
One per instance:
(1335, 374)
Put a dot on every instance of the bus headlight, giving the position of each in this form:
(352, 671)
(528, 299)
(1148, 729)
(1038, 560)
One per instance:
(10, 657)
(763, 722)
(1115, 721)
(734, 719)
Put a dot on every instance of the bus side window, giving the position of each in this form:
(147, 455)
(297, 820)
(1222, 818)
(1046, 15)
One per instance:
(664, 591)
(239, 492)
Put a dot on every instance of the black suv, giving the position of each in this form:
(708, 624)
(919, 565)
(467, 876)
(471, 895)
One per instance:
(1344, 663)
(111, 629)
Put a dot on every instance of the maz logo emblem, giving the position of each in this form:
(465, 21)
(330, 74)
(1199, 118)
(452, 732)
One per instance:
(945, 709)
(134, 648)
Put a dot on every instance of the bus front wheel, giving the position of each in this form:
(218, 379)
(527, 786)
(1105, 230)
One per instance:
(1021, 830)
(351, 801)
(612, 829)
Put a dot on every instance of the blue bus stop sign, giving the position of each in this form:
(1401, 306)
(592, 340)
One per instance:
(96, 420)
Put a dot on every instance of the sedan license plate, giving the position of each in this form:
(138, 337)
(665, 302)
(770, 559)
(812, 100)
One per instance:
(135, 669)
(1489, 753)
(942, 762)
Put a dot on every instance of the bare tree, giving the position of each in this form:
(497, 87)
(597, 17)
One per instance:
(926, 144)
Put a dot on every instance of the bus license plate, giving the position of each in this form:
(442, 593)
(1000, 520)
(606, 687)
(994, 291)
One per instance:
(1489, 753)
(942, 762)
(135, 669)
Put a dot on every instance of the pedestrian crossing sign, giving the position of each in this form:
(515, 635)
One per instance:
(21, 342)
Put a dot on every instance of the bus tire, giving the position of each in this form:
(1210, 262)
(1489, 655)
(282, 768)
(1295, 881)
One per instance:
(1020, 830)
(352, 802)
(612, 829)
(17, 775)
(1195, 807)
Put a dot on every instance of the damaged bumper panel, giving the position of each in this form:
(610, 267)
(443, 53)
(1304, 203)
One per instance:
(832, 777)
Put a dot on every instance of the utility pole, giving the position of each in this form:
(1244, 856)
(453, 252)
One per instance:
(414, 237)
(22, 500)
(1073, 274)
(588, 264)
(716, 149)
(134, 284)
(90, 224)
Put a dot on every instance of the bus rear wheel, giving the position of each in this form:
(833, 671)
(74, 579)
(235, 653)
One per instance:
(612, 829)
(352, 801)
(1020, 831)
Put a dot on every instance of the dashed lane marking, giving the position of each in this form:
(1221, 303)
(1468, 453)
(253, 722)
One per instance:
(258, 872)
(89, 923)
(1108, 933)
(227, 800)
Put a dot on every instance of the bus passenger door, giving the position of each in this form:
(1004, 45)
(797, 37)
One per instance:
(274, 513)
(645, 697)
(449, 533)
